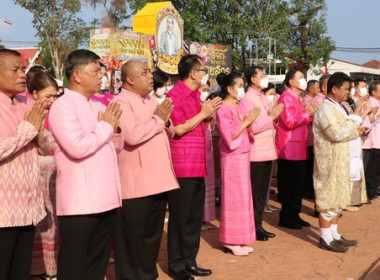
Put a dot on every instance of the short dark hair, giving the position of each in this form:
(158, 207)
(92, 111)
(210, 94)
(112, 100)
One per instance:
(337, 80)
(323, 79)
(270, 86)
(311, 83)
(219, 78)
(9, 52)
(359, 80)
(228, 81)
(373, 86)
(102, 65)
(159, 79)
(39, 81)
(251, 71)
(187, 64)
(77, 59)
(290, 75)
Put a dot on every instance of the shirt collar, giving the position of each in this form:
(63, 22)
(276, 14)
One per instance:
(252, 90)
(136, 95)
(184, 88)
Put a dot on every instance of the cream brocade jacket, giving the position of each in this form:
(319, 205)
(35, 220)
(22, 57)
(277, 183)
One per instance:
(332, 133)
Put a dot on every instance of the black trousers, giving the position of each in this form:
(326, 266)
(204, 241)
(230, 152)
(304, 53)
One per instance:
(308, 189)
(184, 229)
(139, 228)
(372, 173)
(16, 246)
(260, 178)
(85, 245)
(291, 178)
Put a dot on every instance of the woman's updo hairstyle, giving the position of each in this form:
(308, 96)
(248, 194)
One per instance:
(228, 81)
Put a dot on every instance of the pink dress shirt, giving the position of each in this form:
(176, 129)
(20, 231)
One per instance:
(374, 135)
(87, 173)
(229, 120)
(145, 161)
(21, 196)
(263, 148)
(189, 150)
(291, 134)
(316, 101)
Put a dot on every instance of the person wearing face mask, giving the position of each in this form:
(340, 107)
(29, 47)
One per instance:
(315, 97)
(291, 144)
(161, 86)
(209, 206)
(188, 149)
(237, 227)
(361, 92)
(43, 87)
(270, 93)
(263, 150)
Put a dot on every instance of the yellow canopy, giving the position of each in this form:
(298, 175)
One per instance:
(145, 20)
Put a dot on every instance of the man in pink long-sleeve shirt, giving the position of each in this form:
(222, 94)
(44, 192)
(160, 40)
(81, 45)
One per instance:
(188, 149)
(263, 149)
(22, 138)
(88, 184)
(146, 174)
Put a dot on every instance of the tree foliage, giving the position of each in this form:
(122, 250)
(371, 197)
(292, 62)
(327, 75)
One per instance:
(59, 27)
(114, 11)
(298, 26)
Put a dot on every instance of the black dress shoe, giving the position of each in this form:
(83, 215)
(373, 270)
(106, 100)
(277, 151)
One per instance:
(267, 233)
(261, 236)
(197, 271)
(182, 275)
(302, 222)
(289, 224)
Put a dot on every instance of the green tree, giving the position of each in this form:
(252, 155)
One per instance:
(298, 26)
(114, 11)
(309, 45)
(59, 27)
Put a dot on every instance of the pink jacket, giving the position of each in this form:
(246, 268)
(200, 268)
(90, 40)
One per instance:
(229, 120)
(145, 162)
(189, 150)
(87, 172)
(291, 134)
(263, 148)
(21, 196)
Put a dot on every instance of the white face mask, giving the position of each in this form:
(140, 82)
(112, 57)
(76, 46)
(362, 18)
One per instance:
(363, 91)
(161, 91)
(169, 88)
(264, 83)
(204, 80)
(204, 95)
(240, 93)
(352, 92)
(303, 83)
(270, 97)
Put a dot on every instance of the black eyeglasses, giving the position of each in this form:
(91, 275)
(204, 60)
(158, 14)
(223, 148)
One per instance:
(204, 70)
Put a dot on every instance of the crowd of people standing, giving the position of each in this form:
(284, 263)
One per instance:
(87, 172)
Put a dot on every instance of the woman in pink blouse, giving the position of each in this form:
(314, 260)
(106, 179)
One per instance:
(43, 87)
(237, 228)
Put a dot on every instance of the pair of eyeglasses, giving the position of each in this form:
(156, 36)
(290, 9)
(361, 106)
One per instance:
(204, 70)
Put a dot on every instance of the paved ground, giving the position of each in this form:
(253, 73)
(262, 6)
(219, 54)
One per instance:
(293, 254)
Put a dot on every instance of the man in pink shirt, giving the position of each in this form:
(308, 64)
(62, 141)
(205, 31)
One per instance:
(22, 138)
(146, 174)
(88, 184)
(372, 170)
(263, 149)
(188, 149)
(315, 97)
